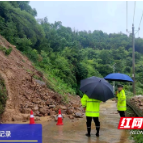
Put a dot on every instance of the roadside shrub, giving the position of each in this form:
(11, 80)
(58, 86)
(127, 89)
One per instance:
(3, 95)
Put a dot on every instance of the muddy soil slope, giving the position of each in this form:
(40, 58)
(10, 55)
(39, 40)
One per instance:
(26, 93)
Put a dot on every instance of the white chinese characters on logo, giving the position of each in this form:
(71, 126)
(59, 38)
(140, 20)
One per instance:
(2, 133)
(126, 125)
(137, 122)
(131, 123)
(8, 134)
(5, 134)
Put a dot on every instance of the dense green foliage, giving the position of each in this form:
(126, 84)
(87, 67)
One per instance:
(138, 136)
(66, 56)
(3, 95)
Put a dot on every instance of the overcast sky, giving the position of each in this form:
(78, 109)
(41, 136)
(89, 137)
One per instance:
(110, 17)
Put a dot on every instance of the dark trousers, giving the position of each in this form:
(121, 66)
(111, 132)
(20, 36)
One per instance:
(95, 119)
(122, 113)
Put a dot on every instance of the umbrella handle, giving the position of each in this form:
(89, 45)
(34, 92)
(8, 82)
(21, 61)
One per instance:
(84, 109)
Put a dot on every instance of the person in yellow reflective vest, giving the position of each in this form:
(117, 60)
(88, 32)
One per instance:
(91, 108)
(121, 101)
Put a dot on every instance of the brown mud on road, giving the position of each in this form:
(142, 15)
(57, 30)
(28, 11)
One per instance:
(73, 131)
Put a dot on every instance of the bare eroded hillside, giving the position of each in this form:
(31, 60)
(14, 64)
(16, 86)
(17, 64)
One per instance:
(25, 94)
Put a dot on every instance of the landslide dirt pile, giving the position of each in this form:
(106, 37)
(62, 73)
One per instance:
(136, 103)
(26, 93)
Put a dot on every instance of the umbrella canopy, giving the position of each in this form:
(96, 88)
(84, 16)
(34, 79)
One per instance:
(118, 77)
(97, 88)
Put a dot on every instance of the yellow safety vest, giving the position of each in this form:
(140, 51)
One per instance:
(92, 106)
(121, 104)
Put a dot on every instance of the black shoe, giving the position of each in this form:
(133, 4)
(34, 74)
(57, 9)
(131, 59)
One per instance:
(97, 134)
(88, 129)
(88, 135)
(97, 129)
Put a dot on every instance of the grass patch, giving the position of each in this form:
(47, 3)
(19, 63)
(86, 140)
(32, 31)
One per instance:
(6, 51)
(37, 77)
(130, 112)
(129, 94)
(138, 138)
(23, 61)
(29, 71)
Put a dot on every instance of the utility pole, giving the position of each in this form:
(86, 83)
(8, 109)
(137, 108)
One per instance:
(133, 58)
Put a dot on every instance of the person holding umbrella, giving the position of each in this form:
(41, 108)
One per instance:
(121, 97)
(121, 100)
(95, 91)
(91, 107)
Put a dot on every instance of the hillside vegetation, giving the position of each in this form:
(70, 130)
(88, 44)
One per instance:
(3, 95)
(64, 55)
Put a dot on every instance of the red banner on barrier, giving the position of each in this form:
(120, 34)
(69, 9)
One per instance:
(131, 123)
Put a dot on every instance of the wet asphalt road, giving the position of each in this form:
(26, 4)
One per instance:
(74, 131)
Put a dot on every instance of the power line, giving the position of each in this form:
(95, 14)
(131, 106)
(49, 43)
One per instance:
(134, 11)
(140, 24)
(126, 16)
(141, 20)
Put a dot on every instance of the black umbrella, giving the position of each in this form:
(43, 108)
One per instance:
(97, 88)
